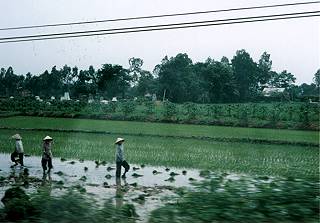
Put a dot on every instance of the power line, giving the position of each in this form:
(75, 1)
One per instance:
(159, 16)
(149, 27)
(163, 28)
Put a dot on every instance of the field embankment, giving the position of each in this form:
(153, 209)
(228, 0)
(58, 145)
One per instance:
(215, 133)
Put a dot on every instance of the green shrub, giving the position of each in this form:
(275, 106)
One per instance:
(128, 107)
(191, 109)
(170, 110)
(150, 107)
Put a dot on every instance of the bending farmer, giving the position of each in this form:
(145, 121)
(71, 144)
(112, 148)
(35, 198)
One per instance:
(17, 155)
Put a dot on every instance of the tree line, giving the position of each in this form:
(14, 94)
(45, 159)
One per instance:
(176, 79)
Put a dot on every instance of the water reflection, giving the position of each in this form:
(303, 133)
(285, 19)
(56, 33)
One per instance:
(46, 179)
(120, 191)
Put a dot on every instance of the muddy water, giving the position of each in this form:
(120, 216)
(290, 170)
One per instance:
(146, 187)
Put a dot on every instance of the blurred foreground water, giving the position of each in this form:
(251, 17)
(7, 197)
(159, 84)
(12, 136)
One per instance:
(89, 191)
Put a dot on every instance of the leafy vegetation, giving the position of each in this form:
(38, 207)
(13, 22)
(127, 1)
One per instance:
(261, 115)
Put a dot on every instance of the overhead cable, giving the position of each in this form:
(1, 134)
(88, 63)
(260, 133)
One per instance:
(164, 27)
(160, 16)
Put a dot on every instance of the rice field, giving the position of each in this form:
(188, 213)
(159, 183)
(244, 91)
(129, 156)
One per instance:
(248, 158)
(211, 179)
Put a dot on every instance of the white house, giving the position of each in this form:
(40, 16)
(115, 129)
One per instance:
(104, 102)
(65, 97)
(268, 91)
(38, 98)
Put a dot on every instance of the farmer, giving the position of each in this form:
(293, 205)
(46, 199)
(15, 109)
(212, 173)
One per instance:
(120, 158)
(18, 152)
(47, 154)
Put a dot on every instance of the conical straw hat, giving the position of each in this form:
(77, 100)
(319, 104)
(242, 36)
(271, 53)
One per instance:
(16, 136)
(47, 138)
(119, 140)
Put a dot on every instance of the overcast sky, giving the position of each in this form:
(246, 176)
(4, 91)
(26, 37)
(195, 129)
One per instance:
(294, 45)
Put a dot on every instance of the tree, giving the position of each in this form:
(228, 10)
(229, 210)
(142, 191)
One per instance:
(113, 80)
(264, 69)
(225, 60)
(11, 83)
(216, 82)
(177, 79)
(81, 86)
(316, 78)
(308, 90)
(143, 81)
(51, 84)
(135, 69)
(282, 80)
(146, 84)
(32, 83)
(2, 81)
(245, 73)
(66, 76)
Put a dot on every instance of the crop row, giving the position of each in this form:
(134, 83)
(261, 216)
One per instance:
(275, 115)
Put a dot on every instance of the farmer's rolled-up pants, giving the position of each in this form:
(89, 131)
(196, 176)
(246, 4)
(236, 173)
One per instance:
(119, 165)
(16, 154)
(118, 169)
(45, 161)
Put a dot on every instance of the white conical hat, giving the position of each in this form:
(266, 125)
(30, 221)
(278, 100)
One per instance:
(47, 138)
(119, 140)
(16, 136)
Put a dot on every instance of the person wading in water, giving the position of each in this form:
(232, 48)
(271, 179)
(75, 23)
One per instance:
(18, 151)
(47, 154)
(120, 161)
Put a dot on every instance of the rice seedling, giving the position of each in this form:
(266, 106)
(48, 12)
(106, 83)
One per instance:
(170, 179)
(108, 176)
(109, 168)
(137, 175)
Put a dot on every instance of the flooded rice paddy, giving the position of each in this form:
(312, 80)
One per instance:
(147, 187)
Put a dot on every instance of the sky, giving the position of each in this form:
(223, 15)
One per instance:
(294, 44)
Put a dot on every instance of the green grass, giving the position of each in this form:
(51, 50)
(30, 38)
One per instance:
(160, 129)
(277, 160)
